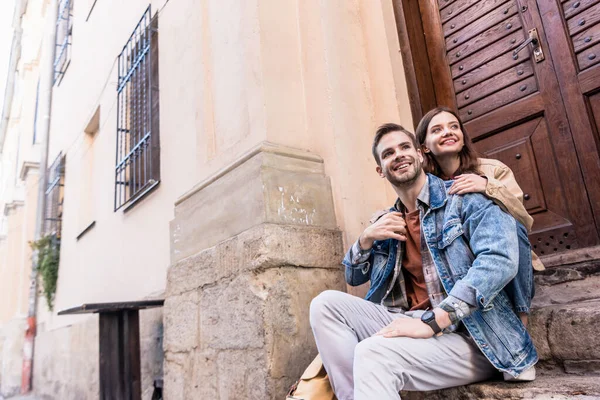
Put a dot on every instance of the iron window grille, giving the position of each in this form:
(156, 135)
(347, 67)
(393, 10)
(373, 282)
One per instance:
(54, 197)
(137, 169)
(64, 29)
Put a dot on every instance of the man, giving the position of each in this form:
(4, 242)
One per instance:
(436, 314)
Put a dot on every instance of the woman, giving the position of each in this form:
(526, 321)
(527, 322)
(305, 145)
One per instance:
(449, 154)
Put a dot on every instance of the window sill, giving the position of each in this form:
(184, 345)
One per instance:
(142, 195)
(85, 230)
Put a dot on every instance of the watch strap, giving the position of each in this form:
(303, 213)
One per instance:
(432, 324)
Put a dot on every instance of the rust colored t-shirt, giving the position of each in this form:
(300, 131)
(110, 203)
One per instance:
(416, 289)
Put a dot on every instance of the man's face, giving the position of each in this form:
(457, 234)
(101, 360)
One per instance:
(401, 163)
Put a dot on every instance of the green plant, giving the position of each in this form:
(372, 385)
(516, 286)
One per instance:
(48, 248)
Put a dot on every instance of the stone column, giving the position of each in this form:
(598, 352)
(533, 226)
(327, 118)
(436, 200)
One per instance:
(250, 248)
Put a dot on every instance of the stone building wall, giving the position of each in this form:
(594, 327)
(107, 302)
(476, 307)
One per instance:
(237, 307)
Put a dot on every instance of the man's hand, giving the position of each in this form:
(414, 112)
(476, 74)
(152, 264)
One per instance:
(414, 327)
(407, 327)
(468, 183)
(390, 226)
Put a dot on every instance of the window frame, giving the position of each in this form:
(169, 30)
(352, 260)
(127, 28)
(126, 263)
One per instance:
(137, 166)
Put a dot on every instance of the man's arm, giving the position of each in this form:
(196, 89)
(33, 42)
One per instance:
(492, 236)
(359, 259)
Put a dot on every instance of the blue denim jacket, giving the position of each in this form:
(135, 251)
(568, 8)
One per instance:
(475, 248)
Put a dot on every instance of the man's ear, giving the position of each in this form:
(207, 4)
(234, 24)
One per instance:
(379, 171)
(420, 154)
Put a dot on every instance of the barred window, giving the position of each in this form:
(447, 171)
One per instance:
(64, 28)
(137, 169)
(54, 197)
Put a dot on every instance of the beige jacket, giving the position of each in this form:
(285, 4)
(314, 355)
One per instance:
(503, 188)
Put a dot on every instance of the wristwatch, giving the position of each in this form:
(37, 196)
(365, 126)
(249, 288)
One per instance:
(428, 317)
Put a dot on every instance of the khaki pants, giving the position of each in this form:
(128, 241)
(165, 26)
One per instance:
(363, 367)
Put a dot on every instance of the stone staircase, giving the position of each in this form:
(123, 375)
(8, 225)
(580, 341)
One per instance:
(565, 326)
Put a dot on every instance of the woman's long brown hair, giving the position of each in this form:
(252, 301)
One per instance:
(468, 156)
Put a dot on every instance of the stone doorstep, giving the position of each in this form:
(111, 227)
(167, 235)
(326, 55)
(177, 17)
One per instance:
(567, 332)
(548, 385)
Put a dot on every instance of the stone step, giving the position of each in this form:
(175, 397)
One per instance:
(567, 335)
(548, 385)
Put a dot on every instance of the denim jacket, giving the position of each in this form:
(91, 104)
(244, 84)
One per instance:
(475, 248)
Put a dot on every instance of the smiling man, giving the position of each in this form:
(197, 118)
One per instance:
(436, 314)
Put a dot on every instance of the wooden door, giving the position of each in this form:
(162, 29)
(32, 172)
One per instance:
(532, 116)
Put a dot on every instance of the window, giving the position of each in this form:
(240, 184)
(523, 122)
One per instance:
(54, 197)
(35, 114)
(86, 171)
(137, 169)
(64, 28)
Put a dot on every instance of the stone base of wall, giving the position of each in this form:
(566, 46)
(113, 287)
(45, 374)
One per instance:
(12, 337)
(251, 247)
(66, 359)
(237, 314)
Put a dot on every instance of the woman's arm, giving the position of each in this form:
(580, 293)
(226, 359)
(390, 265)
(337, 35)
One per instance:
(502, 187)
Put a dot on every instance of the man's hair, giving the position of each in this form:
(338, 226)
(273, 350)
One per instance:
(468, 156)
(389, 128)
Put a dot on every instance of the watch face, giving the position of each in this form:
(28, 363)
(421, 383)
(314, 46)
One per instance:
(427, 316)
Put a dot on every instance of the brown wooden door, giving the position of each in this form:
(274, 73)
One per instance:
(539, 118)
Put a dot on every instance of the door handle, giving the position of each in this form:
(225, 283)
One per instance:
(533, 39)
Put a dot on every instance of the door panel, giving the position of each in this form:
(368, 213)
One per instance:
(481, 9)
(574, 7)
(580, 22)
(586, 39)
(494, 20)
(468, 93)
(512, 106)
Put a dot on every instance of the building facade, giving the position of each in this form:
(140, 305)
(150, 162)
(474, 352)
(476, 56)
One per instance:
(216, 154)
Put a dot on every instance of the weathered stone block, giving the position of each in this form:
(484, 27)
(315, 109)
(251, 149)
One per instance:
(263, 246)
(231, 316)
(181, 322)
(178, 375)
(273, 184)
(151, 349)
(205, 376)
(243, 276)
(582, 367)
(538, 329)
(568, 292)
(191, 273)
(573, 332)
(242, 375)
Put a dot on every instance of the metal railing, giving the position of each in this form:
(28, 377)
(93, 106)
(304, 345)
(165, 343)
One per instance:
(137, 166)
(64, 28)
(54, 197)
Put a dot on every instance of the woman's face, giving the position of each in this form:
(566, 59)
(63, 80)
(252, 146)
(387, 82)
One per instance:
(444, 136)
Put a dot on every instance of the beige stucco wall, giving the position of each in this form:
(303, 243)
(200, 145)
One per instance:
(317, 76)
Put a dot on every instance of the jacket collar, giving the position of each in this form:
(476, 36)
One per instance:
(437, 192)
(433, 195)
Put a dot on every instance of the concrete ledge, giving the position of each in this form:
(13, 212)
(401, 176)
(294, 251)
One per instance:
(261, 247)
(270, 185)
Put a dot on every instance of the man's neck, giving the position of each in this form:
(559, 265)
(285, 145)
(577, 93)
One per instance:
(449, 164)
(409, 193)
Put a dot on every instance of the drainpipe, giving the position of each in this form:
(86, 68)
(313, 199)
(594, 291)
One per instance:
(45, 107)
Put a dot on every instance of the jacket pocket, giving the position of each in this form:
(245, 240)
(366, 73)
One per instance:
(380, 260)
(451, 230)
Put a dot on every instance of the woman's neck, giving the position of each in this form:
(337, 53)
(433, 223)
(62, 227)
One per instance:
(449, 165)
